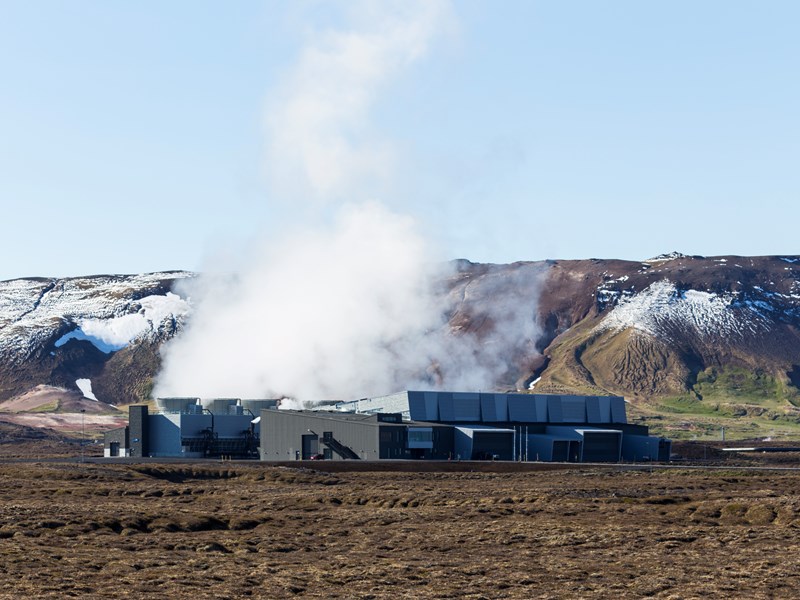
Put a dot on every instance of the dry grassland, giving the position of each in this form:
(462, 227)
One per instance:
(235, 531)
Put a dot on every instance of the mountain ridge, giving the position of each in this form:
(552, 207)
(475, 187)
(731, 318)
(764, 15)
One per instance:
(674, 332)
(56, 331)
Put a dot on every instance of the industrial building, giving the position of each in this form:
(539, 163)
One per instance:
(463, 425)
(432, 425)
(296, 435)
(186, 428)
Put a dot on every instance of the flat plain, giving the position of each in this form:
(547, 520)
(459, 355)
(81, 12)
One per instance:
(231, 530)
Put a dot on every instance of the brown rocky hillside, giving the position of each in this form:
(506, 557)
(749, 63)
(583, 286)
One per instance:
(686, 334)
(702, 342)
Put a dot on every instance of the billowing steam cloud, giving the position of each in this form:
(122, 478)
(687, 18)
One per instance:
(356, 307)
(320, 147)
(318, 314)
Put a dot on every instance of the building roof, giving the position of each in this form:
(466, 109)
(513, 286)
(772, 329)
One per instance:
(491, 407)
(374, 419)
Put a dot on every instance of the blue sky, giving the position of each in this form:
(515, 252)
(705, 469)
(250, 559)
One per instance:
(133, 138)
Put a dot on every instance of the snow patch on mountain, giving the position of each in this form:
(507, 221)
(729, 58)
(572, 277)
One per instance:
(85, 386)
(108, 310)
(102, 343)
(666, 257)
(110, 335)
(661, 308)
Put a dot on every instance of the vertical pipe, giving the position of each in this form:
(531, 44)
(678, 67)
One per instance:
(526, 443)
(514, 438)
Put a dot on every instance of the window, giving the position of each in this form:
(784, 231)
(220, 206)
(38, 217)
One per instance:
(420, 437)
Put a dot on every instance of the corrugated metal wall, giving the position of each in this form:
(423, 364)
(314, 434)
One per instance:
(281, 435)
(165, 435)
(138, 430)
(601, 446)
(469, 407)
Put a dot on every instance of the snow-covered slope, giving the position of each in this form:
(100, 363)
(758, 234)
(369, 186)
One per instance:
(109, 311)
(652, 328)
(640, 328)
(42, 320)
(662, 308)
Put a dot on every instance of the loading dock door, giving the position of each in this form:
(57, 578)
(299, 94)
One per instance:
(664, 449)
(560, 450)
(601, 446)
(113, 449)
(574, 451)
(310, 445)
(488, 444)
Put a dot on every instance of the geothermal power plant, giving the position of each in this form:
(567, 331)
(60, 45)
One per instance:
(409, 425)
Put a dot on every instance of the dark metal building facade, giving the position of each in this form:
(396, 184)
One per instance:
(183, 428)
(536, 427)
(296, 435)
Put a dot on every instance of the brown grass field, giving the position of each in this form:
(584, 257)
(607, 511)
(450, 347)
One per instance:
(235, 530)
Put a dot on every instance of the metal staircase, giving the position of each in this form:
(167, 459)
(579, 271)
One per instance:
(337, 447)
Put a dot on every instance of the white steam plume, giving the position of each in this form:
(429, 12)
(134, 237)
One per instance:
(318, 314)
(349, 309)
(494, 316)
(320, 147)
(349, 312)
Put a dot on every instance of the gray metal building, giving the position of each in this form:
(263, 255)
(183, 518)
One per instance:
(481, 442)
(480, 407)
(296, 435)
(183, 427)
(407, 425)
(546, 427)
